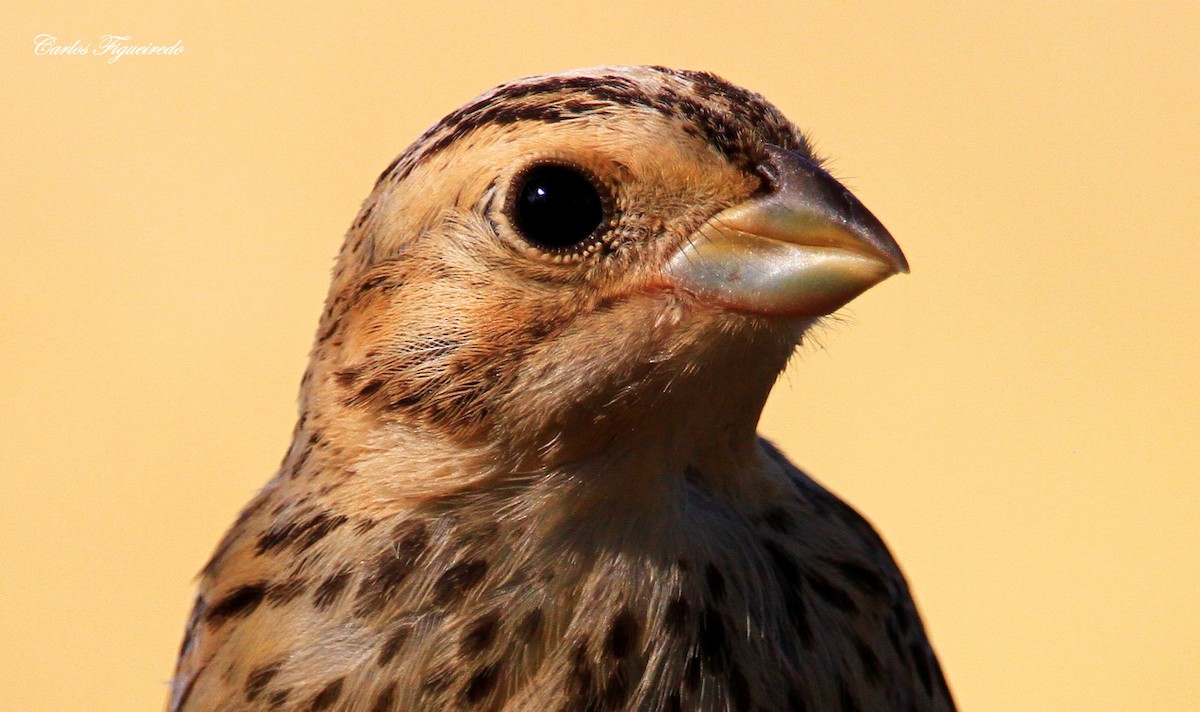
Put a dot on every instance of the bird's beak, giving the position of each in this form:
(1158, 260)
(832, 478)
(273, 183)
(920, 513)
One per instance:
(805, 248)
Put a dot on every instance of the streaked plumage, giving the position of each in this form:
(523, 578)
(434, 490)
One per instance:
(527, 478)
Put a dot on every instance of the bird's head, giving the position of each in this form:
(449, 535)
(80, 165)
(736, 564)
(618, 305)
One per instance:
(577, 262)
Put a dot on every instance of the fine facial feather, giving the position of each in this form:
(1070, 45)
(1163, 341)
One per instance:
(530, 480)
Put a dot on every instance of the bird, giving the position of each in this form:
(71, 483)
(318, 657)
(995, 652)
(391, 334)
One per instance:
(526, 473)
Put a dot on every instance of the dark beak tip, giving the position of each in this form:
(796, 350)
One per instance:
(792, 173)
(899, 260)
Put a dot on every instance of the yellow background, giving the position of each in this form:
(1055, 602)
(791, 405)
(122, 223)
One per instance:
(1019, 416)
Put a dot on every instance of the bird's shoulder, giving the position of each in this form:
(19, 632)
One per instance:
(875, 645)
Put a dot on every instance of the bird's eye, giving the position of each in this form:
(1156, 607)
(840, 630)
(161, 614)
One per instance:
(556, 207)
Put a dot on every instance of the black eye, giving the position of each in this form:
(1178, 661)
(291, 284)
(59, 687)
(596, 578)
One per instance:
(556, 207)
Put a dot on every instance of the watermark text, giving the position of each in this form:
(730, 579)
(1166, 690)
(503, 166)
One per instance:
(112, 47)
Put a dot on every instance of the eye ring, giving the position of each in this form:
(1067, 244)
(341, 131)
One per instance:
(558, 207)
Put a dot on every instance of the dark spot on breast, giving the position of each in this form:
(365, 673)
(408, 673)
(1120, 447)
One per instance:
(410, 537)
(712, 639)
(787, 573)
(623, 634)
(278, 699)
(482, 682)
(240, 602)
(347, 376)
(284, 591)
(258, 679)
(316, 529)
(388, 571)
(543, 326)
(275, 537)
(739, 689)
(404, 402)
(531, 625)
(870, 661)
(716, 582)
(331, 589)
(675, 618)
(832, 595)
(392, 644)
(459, 579)
(327, 696)
(365, 525)
(300, 533)
(364, 394)
(392, 567)
(386, 700)
(480, 634)
(370, 283)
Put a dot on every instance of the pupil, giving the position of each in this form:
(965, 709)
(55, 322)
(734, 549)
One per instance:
(557, 207)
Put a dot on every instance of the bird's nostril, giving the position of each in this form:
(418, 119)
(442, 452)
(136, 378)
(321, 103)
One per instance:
(769, 174)
(849, 203)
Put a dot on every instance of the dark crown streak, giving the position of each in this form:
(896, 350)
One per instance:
(735, 122)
